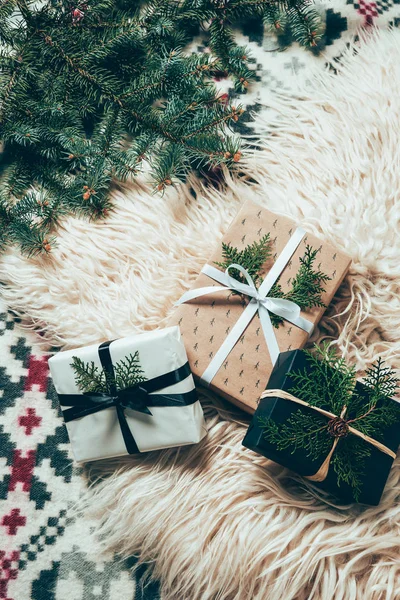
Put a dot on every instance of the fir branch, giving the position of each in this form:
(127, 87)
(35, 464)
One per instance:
(305, 25)
(87, 93)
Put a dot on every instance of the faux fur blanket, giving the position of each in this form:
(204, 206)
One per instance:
(219, 522)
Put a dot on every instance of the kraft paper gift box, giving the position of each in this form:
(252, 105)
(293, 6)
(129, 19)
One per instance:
(159, 411)
(207, 322)
(280, 409)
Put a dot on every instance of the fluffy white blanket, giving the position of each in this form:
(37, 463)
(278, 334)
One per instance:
(218, 521)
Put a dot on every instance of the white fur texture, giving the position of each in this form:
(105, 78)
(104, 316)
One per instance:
(217, 521)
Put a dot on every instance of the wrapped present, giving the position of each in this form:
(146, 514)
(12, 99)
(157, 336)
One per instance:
(317, 420)
(130, 395)
(262, 292)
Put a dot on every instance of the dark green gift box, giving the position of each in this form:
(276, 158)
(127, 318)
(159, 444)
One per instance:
(376, 466)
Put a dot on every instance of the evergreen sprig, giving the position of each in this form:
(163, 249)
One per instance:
(128, 372)
(307, 286)
(90, 378)
(330, 383)
(90, 92)
(252, 258)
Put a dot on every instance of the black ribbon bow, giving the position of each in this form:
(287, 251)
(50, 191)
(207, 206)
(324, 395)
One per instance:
(138, 397)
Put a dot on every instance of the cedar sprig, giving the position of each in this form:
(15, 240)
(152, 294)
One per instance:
(252, 258)
(128, 372)
(90, 378)
(381, 380)
(301, 430)
(348, 462)
(371, 417)
(331, 384)
(307, 286)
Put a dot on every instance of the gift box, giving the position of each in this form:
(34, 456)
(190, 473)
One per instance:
(130, 395)
(324, 429)
(231, 346)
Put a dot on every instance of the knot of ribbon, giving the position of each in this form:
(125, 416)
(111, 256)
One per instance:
(278, 306)
(134, 397)
(138, 397)
(259, 303)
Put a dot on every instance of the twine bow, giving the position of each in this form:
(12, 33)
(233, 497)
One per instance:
(338, 427)
(259, 302)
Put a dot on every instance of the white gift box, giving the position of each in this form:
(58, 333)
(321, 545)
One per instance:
(98, 435)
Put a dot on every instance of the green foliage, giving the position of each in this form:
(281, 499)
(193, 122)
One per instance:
(330, 384)
(348, 462)
(308, 284)
(301, 430)
(306, 287)
(381, 380)
(252, 258)
(379, 412)
(89, 378)
(305, 25)
(91, 92)
(128, 372)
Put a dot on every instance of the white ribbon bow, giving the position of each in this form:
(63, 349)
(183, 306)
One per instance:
(288, 310)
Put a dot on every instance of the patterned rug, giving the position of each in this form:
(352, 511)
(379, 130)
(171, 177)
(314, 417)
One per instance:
(45, 554)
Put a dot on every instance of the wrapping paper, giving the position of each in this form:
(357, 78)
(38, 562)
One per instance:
(377, 465)
(99, 436)
(206, 322)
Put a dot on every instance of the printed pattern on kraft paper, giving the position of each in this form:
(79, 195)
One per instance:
(205, 322)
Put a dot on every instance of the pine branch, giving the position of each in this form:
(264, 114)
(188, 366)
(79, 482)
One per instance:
(305, 25)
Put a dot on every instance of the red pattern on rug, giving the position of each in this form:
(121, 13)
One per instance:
(21, 473)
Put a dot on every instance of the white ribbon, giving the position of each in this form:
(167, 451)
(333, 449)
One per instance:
(288, 310)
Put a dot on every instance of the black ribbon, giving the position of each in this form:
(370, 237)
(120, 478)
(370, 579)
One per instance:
(138, 397)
